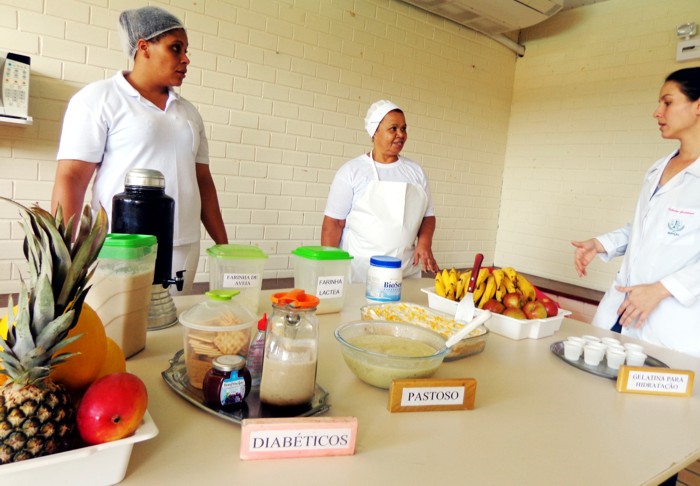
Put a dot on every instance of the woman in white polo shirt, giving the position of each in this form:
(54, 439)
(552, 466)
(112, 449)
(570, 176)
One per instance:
(136, 120)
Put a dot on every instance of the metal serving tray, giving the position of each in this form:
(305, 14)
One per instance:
(602, 368)
(176, 377)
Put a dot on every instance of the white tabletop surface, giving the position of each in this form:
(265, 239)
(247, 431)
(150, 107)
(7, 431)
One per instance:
(536, 421)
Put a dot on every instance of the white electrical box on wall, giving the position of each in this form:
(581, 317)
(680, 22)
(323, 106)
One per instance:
(14, 89)
(688, 50)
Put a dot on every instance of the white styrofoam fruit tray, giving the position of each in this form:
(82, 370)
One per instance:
(97, 465)
(505, 326)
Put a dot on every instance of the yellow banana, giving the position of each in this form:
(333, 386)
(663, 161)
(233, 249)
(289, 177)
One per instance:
(483, 273)
(445, 277)
(479, 291)
(510, 285)
(463, 283)
(451, 291)
(498, 275)
(501, 291)
(526, 287)
(489, 291)
(511, 273)
(439, 286)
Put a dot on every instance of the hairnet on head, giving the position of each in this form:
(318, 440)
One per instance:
(376, 114)
(144, 23)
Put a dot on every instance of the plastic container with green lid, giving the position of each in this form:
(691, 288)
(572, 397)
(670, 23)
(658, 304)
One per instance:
(121, 288)
(241, 267)
(217, 326)
(323, 271)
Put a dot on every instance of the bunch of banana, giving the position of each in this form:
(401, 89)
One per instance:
(452, 284)
(490, 284)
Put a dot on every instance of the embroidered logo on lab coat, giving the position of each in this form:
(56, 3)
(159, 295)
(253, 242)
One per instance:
(675, 226)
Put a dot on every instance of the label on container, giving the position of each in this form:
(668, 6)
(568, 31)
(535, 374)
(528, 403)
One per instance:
(232, 390)
(430, 394)
(274, 438)
(330, 287)
(655, 381)
(241, 280)
(383, 290)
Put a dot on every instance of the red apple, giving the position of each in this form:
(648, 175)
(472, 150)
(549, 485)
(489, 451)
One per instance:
(535, 310)
(551, 306)
(515, 313)
(494, 306)
(514, 299)
(112, 408)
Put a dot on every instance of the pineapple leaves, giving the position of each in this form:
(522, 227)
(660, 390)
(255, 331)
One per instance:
(85, 250)
(23, 339)
(43, 309)
(55, 330)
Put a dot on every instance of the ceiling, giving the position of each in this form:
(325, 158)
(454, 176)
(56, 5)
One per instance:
(569, 4)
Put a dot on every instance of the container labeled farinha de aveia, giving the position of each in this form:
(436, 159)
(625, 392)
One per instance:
(238, 267)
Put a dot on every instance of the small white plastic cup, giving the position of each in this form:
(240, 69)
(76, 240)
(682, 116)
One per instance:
(617, 347)
(636, 358)
(591, 339)
(593, 354)
(572, 350)
(634, 347)
(609, 341)
(615, 358)
(578, 340)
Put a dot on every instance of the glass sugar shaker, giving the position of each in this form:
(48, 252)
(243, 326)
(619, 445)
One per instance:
(291, 350)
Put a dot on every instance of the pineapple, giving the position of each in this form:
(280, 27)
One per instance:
(37, 416)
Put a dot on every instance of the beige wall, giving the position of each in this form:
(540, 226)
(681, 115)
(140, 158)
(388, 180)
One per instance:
(581, 130)
(283, 87)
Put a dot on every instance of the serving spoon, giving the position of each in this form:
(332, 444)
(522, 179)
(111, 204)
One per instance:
(464, 332)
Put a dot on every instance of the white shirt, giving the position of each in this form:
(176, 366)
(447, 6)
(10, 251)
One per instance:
(109, 123)
(353, 177)
(661, 244)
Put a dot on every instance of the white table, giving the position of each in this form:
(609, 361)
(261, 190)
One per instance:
(537, 421)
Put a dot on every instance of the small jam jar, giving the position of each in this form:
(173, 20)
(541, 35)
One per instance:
(227, 383)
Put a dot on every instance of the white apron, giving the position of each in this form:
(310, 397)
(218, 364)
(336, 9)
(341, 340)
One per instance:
(384, 221)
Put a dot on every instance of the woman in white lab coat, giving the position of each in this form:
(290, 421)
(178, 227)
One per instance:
(656, 294)
(379, 203)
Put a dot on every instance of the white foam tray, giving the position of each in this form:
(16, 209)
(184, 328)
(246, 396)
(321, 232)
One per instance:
(505, 326)
(98, 465)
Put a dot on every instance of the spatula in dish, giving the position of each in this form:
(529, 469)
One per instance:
(464, 332)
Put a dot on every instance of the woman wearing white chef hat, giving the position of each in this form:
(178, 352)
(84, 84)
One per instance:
(379, 203)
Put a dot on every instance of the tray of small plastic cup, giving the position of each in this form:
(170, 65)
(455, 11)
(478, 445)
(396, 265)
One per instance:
(602, 368)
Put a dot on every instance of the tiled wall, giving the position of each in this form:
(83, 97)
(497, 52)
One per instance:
(581, 130)
(283, 86)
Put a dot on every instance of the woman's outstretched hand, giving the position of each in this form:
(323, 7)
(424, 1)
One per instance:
(585, 253)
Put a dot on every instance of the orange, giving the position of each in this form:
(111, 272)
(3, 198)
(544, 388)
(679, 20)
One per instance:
(115, 362)
(79, 371)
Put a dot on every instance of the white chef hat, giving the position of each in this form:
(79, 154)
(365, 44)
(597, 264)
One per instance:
(376, 114)
(144, 23)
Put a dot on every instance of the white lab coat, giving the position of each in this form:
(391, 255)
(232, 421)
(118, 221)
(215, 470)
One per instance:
(661, 244)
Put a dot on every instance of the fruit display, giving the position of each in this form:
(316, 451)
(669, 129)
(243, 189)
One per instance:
(37, 414)
(499, 290)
